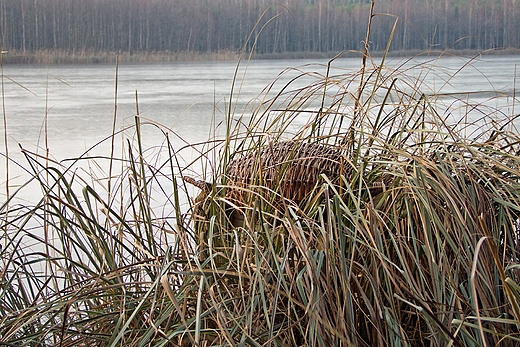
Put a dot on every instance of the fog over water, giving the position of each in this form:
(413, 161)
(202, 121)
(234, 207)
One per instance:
(71, 108)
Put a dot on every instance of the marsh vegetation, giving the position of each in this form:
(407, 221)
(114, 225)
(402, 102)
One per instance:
(406, 232)
(430, 257)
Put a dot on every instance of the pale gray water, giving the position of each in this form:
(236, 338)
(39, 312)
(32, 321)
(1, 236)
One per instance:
(188, 98)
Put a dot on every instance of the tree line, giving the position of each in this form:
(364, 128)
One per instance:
(276, 26)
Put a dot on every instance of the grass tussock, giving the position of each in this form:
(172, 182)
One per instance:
(350, 212)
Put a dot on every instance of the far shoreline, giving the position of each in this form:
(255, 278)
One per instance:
(51, 57)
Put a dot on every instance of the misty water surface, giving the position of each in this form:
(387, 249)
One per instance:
(68, 109)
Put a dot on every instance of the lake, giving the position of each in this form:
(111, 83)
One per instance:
(69, 109)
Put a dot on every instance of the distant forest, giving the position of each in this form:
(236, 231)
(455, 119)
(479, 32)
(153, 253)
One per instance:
(286, 25)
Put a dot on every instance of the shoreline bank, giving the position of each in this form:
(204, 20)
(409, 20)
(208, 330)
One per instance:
(62, 57)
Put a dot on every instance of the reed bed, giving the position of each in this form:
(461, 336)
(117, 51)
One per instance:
(350, 212)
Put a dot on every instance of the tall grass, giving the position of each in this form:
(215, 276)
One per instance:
(429, 261)
(430, 257)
